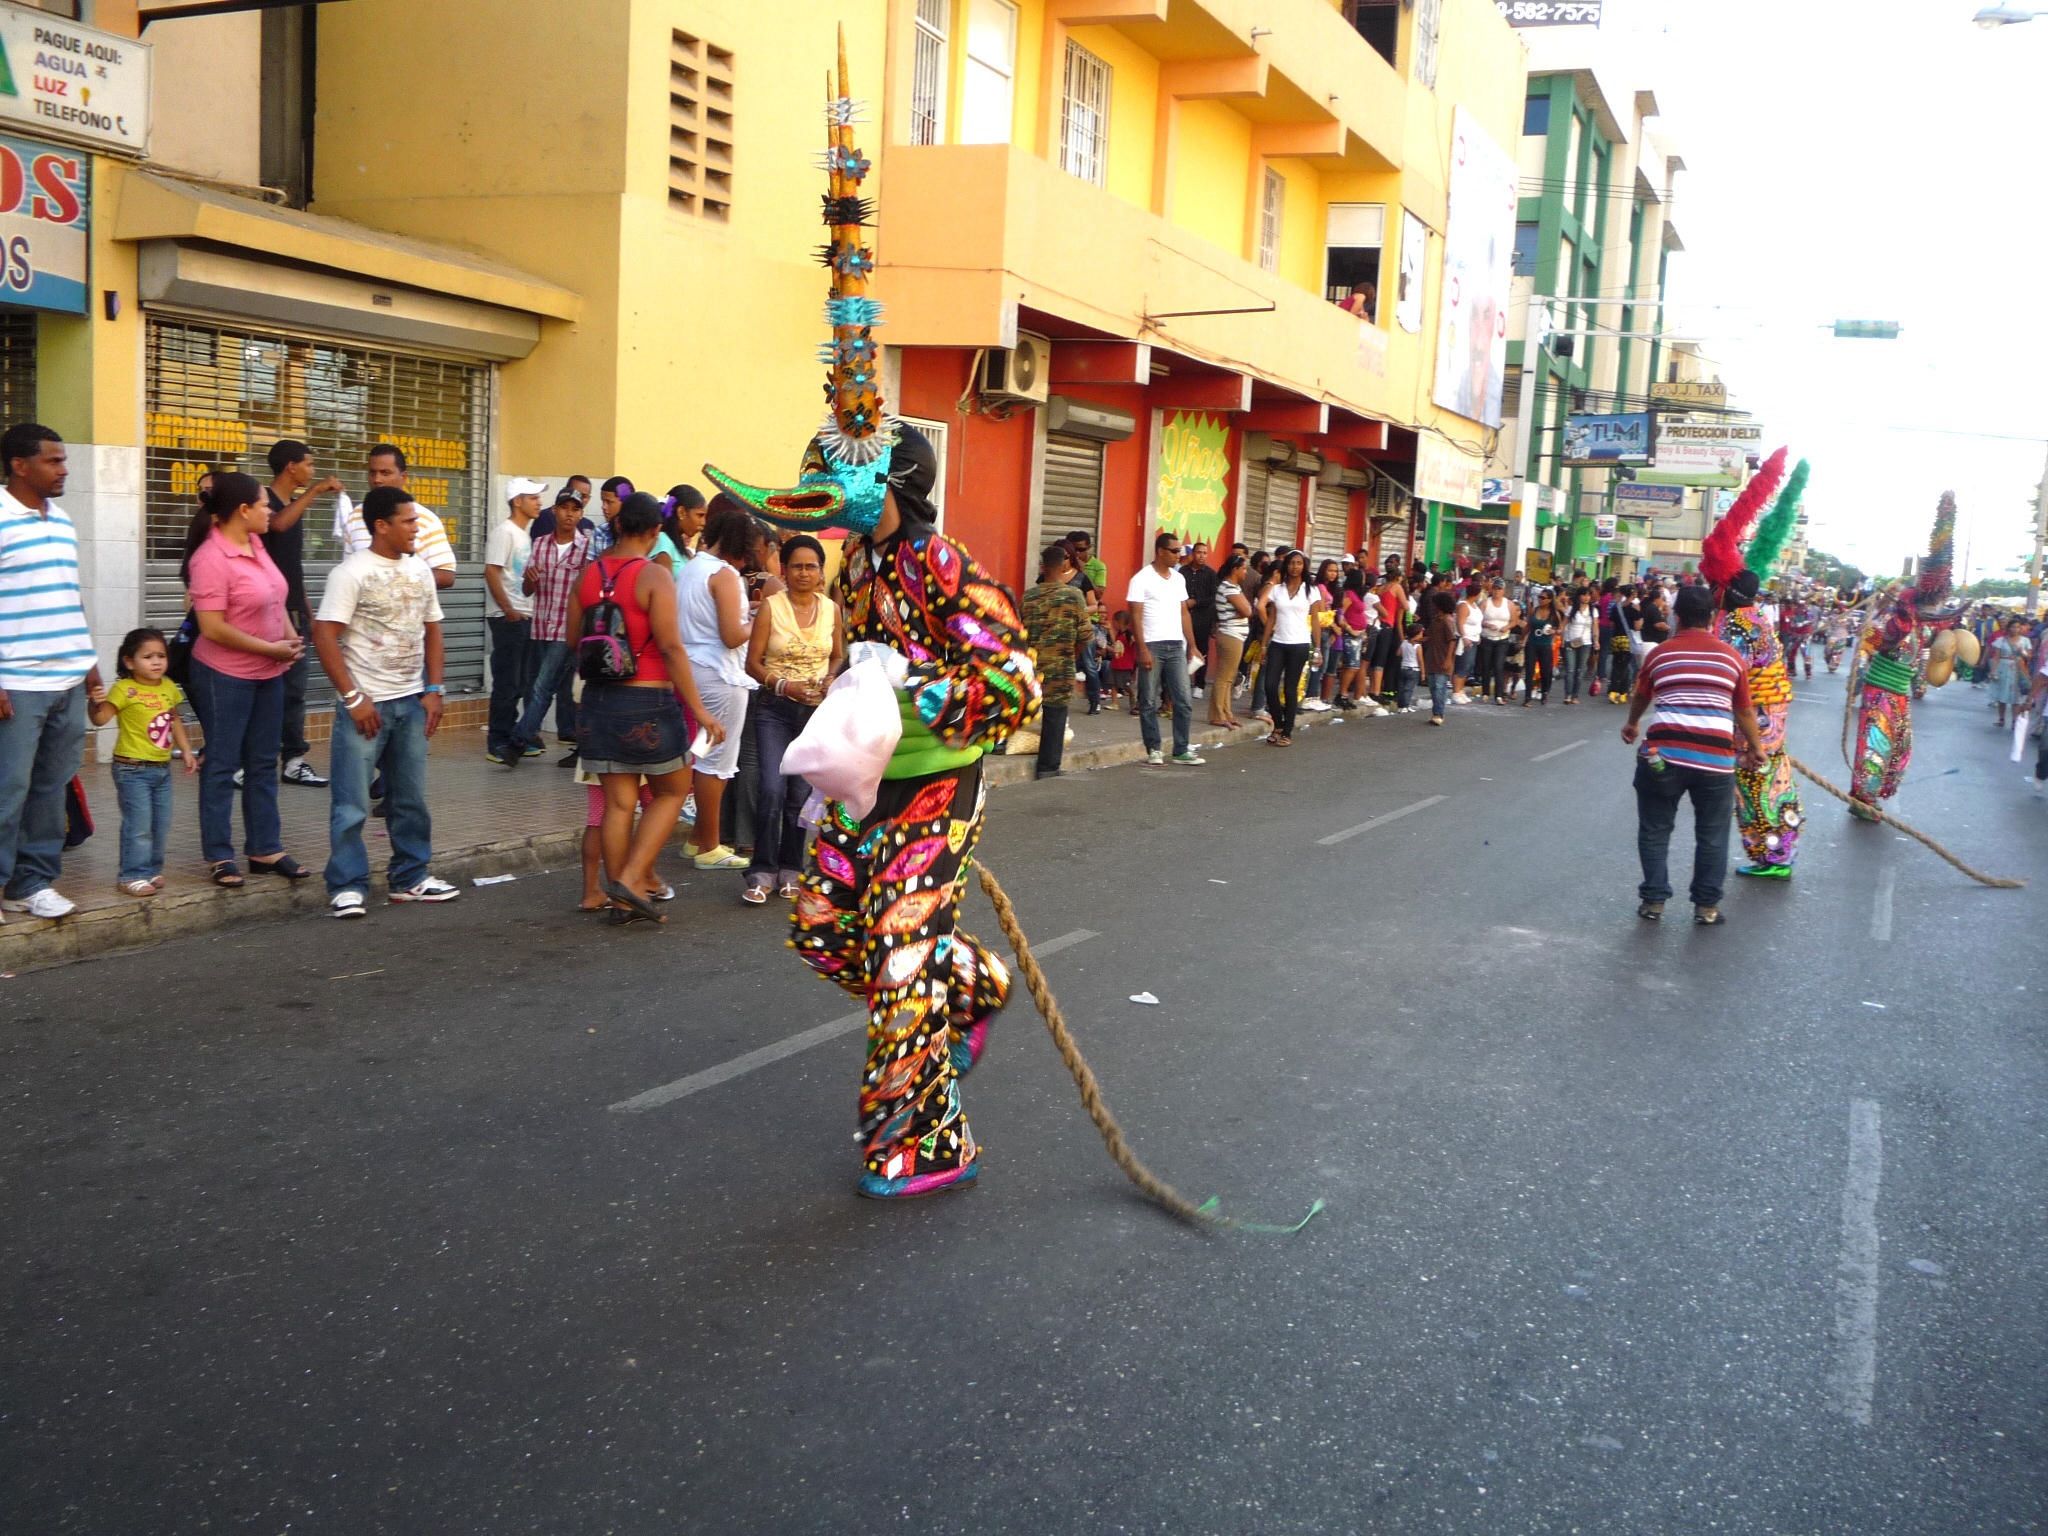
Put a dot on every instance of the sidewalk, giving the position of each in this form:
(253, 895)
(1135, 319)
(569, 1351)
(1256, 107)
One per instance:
(487, 820)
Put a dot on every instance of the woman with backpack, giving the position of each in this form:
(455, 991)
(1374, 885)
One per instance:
(630, 724)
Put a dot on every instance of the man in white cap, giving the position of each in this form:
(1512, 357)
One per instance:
(514, 659)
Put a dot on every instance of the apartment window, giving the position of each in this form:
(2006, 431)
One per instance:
(1270, 207)
(1356, 234)
(700, 92)
(985, 106)
(1084, 116)
(1536, 116)
(928, 74)
(1378, 22)
(1525, 250)
(1429, 26)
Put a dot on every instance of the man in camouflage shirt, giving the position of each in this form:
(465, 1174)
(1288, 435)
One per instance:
(1057, 626)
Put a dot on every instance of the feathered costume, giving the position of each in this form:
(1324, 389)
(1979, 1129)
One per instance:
(1767, 809)
(1891, 653)
(880, 897)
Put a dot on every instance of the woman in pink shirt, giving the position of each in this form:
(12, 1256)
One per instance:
(246, 644)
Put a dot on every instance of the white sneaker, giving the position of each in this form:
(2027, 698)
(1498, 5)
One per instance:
(1317, 706)
(1155, 759)
(1461, 698)
(690, 809)
(429, 889)
(347, 904)
(46, 904)
(299, 771)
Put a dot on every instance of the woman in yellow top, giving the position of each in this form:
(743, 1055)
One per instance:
(796, 649)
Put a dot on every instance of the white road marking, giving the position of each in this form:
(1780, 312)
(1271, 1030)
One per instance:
(1544, 757)
(1881, 912)
(1852, 1382)
(1379, 821)
(790, 1045)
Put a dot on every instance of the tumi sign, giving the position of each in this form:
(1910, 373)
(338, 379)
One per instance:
(59, 80)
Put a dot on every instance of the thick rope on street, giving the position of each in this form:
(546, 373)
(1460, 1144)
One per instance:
(1913, 832)
(1153, 1187)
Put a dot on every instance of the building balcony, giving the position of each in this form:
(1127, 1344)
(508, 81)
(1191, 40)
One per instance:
(970, 235)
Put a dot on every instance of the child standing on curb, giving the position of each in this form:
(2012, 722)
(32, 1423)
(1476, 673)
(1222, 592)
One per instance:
(146, 704)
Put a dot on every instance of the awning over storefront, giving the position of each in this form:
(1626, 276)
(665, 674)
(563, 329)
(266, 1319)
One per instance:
(208, 249)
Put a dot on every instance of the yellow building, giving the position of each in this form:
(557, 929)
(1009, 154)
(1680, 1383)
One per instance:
(580, 237)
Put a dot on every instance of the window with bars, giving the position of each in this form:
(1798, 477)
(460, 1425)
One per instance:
(928, 74)
(1084, 116)
(17, 365)
(217, 397)
(1429, 26)
(700, 108)
(1271, 206)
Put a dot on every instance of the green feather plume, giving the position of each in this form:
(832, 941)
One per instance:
(1776, 527)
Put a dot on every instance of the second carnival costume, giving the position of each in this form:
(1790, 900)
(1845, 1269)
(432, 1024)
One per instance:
(1767, 809)
(878, 906)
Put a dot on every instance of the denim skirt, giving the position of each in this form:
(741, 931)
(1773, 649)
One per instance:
(623, 729)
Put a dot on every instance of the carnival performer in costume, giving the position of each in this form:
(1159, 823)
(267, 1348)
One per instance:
(877, 907)
(1797, 620)
(1890, 656)
(1836, 634)
(1767, 809)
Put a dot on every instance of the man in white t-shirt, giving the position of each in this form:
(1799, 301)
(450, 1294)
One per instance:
(378, 634)
(514, 659)
(387, 467)
(1158, 599)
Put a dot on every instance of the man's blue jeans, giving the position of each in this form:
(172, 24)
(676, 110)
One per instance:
(511, 676)
(553, 682)
(242, 719)
(41, 746)
(1713, 814)
(144, 793)
(399, 750)
(1439, 694)
(1170, 666)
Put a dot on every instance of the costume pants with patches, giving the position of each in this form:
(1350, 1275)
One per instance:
(1884, 744)
(876, 914)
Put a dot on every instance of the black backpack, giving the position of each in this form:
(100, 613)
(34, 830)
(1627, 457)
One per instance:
(604, 651)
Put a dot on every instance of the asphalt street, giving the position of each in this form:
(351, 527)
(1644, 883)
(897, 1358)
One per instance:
(1630, 1228)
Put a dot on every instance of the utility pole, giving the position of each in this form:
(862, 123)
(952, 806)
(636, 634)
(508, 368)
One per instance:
(2040, 534)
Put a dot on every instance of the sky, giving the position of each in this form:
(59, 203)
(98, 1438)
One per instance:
(1885, 160)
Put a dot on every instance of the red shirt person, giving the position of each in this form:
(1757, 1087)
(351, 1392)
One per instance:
(1704, 724)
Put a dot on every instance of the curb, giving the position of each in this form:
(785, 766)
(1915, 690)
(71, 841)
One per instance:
(29, 944)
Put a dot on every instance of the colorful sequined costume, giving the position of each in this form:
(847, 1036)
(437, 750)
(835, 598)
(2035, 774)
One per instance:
(1767, 809)
(880, 899)
(1892, 655)
(877, 906)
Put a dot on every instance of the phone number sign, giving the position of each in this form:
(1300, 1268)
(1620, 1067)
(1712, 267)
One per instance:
(1550, 13)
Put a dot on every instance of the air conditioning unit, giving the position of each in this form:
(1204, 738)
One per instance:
(1019, 375)
(1265, 448)
(1344, 477)
(1388, 502)
(1083, 418)
(1305, 461)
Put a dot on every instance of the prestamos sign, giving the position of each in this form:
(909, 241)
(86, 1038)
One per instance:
(1479, 249)
(45, 212)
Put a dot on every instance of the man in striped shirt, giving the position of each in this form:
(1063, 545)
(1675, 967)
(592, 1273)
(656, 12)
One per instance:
(46, 669)
(1700, 686)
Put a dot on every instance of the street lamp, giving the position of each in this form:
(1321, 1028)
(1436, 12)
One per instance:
(1995, 16)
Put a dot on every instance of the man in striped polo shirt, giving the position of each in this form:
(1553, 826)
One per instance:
(1700, 686)
(46, 668)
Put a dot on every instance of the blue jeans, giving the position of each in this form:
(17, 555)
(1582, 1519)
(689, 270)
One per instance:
(778, 797)
(1170, 666)
(144, 791)
(1093, 665)
(243, 721)
(399, 751)
(41, 746)
(553, 683)
(1575, 671)
(1439, 694)
(1404, 690)
(1713, 814)
(512, 665)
